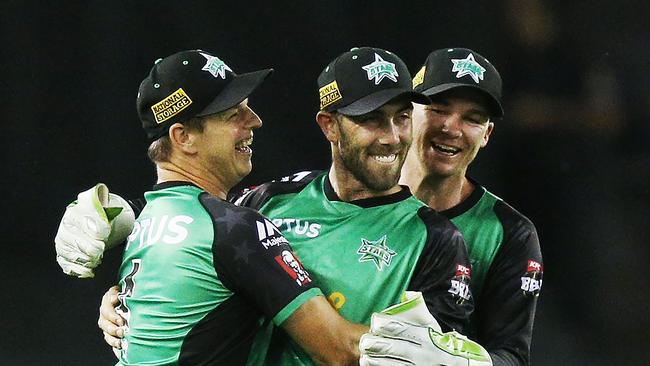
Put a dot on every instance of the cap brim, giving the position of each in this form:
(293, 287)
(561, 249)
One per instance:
(495, 106)
(374, 101)
(239, 88)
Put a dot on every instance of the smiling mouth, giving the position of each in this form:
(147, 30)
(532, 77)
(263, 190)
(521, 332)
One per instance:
(446, 149)
(243, 146)
(385, 159)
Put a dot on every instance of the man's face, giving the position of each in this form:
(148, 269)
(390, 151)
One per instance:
(373, 146)
(449, 132)
(224, 145)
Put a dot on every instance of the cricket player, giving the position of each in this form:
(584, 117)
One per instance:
(507, 267)
(363, 239)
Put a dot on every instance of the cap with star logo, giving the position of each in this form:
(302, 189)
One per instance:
(364, 79)
(190, 84)
(450, 68)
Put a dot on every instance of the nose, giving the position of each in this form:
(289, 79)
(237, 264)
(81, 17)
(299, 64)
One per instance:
(253, 121)
(451, 125)
(390, 134)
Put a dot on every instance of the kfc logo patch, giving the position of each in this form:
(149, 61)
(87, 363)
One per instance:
(531, 281)
(293, 267)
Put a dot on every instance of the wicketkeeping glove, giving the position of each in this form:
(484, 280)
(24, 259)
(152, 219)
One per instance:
(404, 334)
(96, 221)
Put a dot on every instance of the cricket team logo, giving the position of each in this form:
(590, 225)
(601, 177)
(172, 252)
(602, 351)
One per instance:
(531, 281)
(215, 66)
(468, 66)
(376, 251)
(381, 69)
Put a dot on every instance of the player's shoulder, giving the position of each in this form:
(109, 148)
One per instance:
(438, 225)
(509, 216)
(222, 211)
(255, 197)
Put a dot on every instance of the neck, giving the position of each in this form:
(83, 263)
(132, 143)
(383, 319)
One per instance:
(349, 188)
(438, 192)
(188, 172)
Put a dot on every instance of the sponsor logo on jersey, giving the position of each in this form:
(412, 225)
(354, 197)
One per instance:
(468, 66)
(269, 235)
(419, 77)
(215, 66)
(293, 267)
(159, 230)
(171, 105)
(380, 70)
(329, 94)
(460, 283)
(531, 281)
(376, 251)
(298, 227)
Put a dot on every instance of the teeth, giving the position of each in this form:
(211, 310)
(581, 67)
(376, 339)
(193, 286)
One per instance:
(385, 158)
(244, 145)
(446, 149)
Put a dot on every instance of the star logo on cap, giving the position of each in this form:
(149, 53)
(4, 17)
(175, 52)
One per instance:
(381, 69)
(215, 66)
(468, 66)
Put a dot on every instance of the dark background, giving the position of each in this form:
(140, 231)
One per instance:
(572, 152)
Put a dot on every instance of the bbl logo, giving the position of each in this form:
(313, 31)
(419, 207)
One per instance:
(531, 282)
(460, 283)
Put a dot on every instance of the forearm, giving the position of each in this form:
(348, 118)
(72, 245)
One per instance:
(327, 337)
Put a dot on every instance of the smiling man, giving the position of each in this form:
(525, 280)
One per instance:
(507, 269)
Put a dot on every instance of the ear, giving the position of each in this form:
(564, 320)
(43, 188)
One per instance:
(488, 132)
(182, 139)
(328, 124)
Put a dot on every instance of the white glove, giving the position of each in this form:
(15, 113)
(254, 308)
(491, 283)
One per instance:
(407, 334)
(96, 221)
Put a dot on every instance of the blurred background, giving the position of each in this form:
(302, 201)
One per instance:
(572, 152)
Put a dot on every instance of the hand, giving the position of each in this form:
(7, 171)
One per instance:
(96, 221)
(110, 322)
(394, 342)
(407, 334)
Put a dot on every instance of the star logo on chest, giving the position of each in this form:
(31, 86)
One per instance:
(468, 66)
(381, 69)
(215, 66)
(376, 251)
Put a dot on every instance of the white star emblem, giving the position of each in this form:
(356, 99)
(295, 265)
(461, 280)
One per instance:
(468, 66)
(215, 66)
(381, 69)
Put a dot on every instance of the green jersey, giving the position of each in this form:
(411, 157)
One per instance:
(364, 254)
(507, 272)
(198, 277)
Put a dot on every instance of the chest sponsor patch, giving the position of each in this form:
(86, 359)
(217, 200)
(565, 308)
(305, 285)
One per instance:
(531, 281)
(293, 267)
(376, 251)
(460, 283)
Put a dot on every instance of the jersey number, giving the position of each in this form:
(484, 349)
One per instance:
(127, 291)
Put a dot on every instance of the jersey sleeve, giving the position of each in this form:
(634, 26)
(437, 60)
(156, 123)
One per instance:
(254, 260)
(505, 310)
(443, 273)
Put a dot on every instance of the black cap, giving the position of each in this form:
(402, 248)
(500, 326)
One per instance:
(450, 68)
(190, 84)
(362, 80)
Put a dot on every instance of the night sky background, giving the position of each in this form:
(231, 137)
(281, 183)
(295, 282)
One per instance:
(571, 153)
